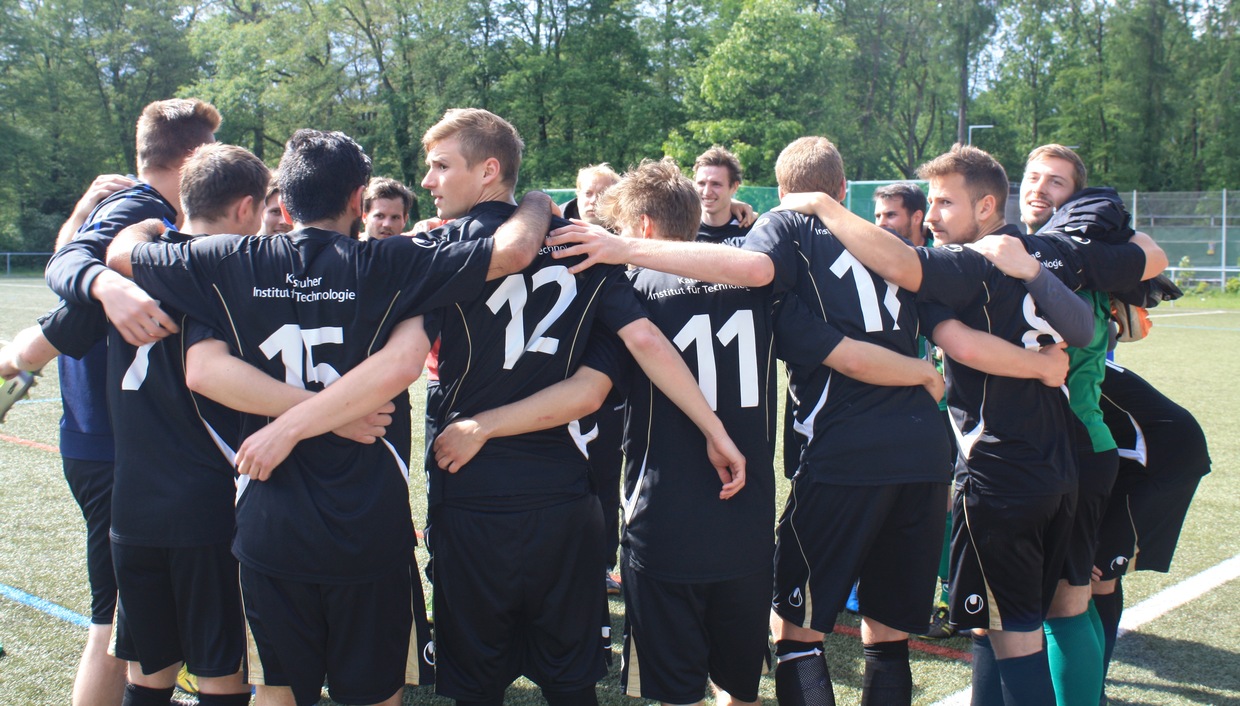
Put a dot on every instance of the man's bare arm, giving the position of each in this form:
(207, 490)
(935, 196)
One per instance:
(29, 351)
(398, 365)
(554, 406)
(665, 368)
(519, 239)
(1067, 313)
(120, 252)
(708, 262)
(990, 354)
(881, 252)
(1155, 259)
(876, 365)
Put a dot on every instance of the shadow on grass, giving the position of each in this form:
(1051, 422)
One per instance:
(1198, 671)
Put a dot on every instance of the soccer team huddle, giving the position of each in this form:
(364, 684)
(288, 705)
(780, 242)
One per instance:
(235, 364)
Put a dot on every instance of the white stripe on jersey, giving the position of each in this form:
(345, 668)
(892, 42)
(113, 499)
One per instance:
(404, 470)
(582, 440)
(1140, 451)
(806, 428)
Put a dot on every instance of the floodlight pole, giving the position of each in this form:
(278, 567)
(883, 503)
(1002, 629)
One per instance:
(978, 127)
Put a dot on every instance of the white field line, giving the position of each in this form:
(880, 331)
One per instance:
(1191, 313)
(1150, 609)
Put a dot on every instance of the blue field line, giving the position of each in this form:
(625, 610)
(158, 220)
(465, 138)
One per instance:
(52, 609)
(37, 400)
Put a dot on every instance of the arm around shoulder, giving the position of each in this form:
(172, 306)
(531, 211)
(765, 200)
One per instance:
(518, 240)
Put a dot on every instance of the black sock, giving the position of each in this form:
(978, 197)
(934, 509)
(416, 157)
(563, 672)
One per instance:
(242, 699)
(802, 680)
(142, 696)
(987, 684)
(1110, 609)
(1027, 680)
(583, 697)
(888, 678)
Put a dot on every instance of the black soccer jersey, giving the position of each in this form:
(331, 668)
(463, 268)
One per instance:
(173, 485)
(74, 267)
(848, 426)
(1012, 432)
(1083, 263)
(521, 334)
(676, 527)
(730, 233)
(306, 307)
(85, 430)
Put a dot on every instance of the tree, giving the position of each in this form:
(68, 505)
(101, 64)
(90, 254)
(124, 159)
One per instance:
(766, 84)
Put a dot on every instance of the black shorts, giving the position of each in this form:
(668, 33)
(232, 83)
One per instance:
(179, 604)
(91, 485)
(518, 593)
(1141, 528)
(1097, 475)
(889, 537)
(676, 635)
(1006, 558)
(367, 639)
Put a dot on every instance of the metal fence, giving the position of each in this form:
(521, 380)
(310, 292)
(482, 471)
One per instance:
(25, 261)
(1202, 226)
(1199, 230)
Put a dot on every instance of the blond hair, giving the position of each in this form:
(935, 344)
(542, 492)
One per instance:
(482, 135)
(659, 191)
(810, 164)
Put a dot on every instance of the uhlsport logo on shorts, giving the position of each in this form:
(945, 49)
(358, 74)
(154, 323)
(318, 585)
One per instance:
(974, 604)
(795, 599)
(1118, 562)
(428, 653)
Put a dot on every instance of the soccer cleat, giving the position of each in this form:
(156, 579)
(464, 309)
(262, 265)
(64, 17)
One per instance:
(187, 682)
(940, 624)
(613, 584)
(14, 390)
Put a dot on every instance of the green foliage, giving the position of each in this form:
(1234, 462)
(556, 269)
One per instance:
(763, 86)
(1185, 274)
(1232, 286)
(1145, 88)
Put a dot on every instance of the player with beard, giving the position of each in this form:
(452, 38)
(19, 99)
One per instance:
(1016, 475)
(901, 208)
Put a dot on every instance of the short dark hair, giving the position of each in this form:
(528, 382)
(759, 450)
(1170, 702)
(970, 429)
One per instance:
(215, 176)
(273, 189)
(717, 156)
(1080, 176)
(319, 172)
(385, 188)
(982, 173)
(911, 196)
(659, 191)
(810, 164)
(482, 135)
(169, 130)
